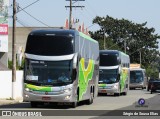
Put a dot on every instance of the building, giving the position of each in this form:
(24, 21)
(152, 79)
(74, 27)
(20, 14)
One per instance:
(21, 38)
(4, 34)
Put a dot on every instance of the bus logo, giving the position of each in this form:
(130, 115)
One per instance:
(141, 101)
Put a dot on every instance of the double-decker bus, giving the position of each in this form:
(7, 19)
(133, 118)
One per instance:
(138, 77)
(114, 72)
(60, 66)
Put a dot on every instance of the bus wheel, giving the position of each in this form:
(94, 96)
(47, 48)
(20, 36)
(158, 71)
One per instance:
(74, 104)
(90, 100)
(34, 104)
(116, 94)
(125, 93)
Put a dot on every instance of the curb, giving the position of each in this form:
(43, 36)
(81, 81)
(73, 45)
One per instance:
(8, 102)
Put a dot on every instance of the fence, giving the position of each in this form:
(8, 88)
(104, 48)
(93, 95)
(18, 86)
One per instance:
(6, 84)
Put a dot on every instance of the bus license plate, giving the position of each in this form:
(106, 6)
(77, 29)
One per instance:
(103, 91)
(46, 98)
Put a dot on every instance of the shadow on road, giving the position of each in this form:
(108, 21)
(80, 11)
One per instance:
(151, 105)
(26, 105)
(104, 94)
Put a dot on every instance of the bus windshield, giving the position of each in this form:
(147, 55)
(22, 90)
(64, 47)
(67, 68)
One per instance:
(49, 45)
(108, 59)
(136, 76)
(57, 73)
(108, 76)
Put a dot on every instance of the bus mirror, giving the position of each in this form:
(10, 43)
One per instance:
(75, 59)
(119, 61)
(118, 77)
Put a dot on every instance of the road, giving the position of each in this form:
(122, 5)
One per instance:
(103, 102)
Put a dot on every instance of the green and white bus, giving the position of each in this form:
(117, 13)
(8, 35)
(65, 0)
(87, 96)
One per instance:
(138, 77)
(113, 72)
(60, 66)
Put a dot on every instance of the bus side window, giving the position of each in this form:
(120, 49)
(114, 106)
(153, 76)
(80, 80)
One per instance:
(74, 74)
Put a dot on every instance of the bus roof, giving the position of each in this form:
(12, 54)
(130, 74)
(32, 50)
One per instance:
(60, 31)
(113, 51)
(87, 37)
(109, 51)
(136, 69)
(133, 66)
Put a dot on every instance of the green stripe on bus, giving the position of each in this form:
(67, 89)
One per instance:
(85, 75)
(102, 85)
(87, 37)
(38, 88)
(124, 76)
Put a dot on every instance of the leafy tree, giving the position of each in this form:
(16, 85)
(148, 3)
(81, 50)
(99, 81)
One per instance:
(138, 39)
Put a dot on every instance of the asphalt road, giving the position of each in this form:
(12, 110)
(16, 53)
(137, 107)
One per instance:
(102, 102)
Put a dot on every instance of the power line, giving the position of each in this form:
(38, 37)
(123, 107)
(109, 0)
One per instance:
(28, 5)
(20, 23)
(34, 17)
(91, 8)
(23, 23)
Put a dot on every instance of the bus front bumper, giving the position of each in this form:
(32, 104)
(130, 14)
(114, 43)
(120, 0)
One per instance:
(64, 97)
(108, 91)
(136, 85)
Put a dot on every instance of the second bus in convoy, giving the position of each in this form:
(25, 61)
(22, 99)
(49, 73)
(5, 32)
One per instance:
(138, 77)
(60, 66)
(114, 72)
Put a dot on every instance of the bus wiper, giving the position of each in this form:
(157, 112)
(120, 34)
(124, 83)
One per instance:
(61, 81)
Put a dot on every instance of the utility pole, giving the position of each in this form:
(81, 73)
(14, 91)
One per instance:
(70, 12)
(104, 40)
(140, 56)
(125, 46)
(70, 15)
(14, 50)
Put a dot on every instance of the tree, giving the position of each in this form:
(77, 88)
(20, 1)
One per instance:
(138, 38)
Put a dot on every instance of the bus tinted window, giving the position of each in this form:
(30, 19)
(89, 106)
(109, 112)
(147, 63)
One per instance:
(136, 76)
(49, 45)
(108, 59)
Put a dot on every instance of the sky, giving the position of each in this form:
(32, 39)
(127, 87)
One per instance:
(53, 12)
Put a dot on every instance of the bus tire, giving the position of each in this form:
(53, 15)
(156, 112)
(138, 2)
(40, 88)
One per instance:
(116, 94)
(125, 93)
(90, 100)
(34, 104)
(74, 104)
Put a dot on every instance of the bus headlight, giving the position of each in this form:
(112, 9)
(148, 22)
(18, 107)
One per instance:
(67, 90)
(141, 83)
(28, 90)
(115, 86)
(67, 97)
